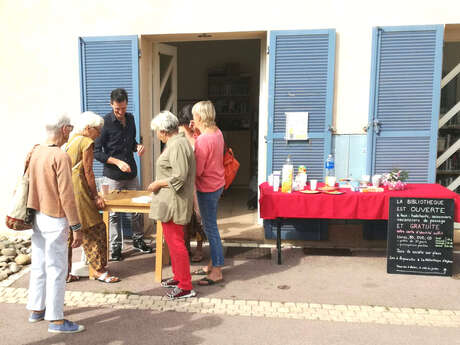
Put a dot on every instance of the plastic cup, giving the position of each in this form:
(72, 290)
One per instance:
(313, 184)
(276, 183)
(355, 185)
(270, 180)
(105, 189)
(331, 181)
(376, 180)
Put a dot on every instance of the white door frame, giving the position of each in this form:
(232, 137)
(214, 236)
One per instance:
(159, 83)
(148, 110)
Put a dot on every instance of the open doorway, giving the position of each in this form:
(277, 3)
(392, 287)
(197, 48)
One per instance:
(226, 72)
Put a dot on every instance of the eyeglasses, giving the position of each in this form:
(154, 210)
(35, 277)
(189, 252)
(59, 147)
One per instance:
(69, 127)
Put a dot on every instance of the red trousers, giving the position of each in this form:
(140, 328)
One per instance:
(180, 262)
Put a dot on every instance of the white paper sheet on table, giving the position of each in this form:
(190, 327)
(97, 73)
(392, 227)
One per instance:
(145, 199)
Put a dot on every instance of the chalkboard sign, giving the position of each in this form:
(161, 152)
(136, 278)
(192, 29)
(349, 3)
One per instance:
(420, 236)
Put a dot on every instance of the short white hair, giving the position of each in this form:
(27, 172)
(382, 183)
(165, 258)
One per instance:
(54, 122)
(87, 119)
(165, 122)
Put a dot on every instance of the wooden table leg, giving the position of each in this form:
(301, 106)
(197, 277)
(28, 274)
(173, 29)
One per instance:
(159, 253)
(105, 218)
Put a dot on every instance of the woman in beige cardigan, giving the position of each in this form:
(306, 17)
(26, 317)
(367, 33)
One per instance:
(52, 197)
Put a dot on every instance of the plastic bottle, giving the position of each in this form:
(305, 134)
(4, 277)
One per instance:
(288, 169)
(330, 171)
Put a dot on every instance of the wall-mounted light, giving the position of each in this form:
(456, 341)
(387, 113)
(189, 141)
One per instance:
(204, 35)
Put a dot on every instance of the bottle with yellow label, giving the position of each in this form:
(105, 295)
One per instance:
(287, 172)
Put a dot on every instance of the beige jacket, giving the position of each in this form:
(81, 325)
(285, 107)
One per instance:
(176, 164)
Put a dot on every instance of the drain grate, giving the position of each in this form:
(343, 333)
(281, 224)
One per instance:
(248, 253)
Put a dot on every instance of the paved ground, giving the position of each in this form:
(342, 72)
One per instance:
(310, 299)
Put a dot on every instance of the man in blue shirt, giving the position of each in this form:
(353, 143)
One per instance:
(115, 148)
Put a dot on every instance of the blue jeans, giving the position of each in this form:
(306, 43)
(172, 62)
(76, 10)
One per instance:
(137, 220)
(208, 209)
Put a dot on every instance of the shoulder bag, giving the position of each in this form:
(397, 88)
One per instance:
(20, 217)
(231, 166)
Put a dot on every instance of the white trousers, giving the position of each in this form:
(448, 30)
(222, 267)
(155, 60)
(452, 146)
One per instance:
(49, 266)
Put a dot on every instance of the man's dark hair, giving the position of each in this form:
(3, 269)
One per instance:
(119, 96)
(185, 115)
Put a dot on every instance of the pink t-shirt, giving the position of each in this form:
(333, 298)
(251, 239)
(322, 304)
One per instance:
(209, 156)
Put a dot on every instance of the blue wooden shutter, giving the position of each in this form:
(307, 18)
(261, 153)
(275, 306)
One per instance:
(404, 103)
(301, 79)
(107, 63)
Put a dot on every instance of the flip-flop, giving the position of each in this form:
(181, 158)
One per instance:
(207, 282)
(200, 272)
(72, 278)
(197, 257)
(106, 278)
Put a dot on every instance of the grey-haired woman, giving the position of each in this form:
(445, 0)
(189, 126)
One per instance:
(87, 127)
(172, 201)
(52, 197)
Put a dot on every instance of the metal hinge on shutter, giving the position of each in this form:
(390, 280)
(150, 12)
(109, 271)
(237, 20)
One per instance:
(139, 53)
(268, 50)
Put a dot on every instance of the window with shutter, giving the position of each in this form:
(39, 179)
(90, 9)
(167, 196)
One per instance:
(404, 101)
(301, 79)
(107, 63)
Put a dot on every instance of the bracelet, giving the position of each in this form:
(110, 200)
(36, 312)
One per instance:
(75, 227)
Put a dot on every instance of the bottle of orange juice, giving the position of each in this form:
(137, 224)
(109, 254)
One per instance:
(287, 172)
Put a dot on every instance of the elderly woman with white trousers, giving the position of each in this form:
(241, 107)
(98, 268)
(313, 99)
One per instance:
(52, 198)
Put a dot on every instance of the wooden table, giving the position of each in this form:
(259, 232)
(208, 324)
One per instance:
(121, 201)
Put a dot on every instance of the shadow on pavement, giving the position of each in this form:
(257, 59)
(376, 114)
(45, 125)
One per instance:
(126, 326)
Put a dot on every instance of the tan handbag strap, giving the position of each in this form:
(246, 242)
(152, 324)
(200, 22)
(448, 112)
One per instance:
(28, 157)
(76, 166)
(67, 146)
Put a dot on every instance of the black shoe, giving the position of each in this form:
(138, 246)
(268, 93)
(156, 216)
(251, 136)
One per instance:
(116, 254)
(139, 244)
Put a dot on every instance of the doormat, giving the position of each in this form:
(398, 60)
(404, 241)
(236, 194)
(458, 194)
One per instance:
(248, 253)
(327, 251)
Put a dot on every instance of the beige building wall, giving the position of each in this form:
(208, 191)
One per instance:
(39, 50)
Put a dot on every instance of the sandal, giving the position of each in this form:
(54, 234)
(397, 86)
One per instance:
(200, 272)
(197, 257)
(106, 278)
(71, 278)
(208, 282)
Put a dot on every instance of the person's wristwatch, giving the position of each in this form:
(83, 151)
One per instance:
(75, 227)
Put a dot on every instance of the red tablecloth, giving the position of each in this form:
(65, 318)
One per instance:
(350, 205)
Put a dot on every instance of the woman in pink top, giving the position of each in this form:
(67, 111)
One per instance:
(209, 151)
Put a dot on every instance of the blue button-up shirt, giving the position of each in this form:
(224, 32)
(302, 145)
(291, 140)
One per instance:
(117, 141)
